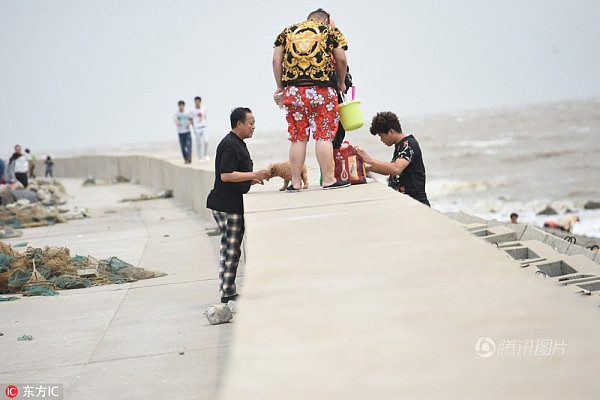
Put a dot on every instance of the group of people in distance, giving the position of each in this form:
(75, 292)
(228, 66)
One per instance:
(21, 166)
(195, 119)
(309, 66)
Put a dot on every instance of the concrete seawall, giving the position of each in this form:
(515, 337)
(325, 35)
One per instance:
(190, 185)
(362, 292)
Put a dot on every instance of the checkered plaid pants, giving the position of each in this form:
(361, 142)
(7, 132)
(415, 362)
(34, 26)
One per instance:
(232, 233)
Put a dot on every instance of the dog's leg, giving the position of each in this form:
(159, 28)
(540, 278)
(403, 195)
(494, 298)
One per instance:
(285, 185)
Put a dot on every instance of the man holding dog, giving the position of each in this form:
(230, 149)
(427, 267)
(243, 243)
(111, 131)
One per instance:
(303, 74)
(233, 178)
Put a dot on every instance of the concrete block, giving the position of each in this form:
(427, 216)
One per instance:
(574, 249)
(560, 245)
(476, 226)
(542, 249)
(465, 218)
(592, 286)
(521, 253)
(518, 228)
(496, 234)
(533, 233)
(576, 278)
(583, 264)
(500, 237)
(512, 243)
(556, 268)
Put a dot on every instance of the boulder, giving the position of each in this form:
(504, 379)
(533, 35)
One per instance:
(547, 211)
(592, 205)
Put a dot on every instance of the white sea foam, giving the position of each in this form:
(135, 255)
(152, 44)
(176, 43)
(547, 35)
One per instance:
(482, 144)
(580, 129)
(440, 188)
(589, 224)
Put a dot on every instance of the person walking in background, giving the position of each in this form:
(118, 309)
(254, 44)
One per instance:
(303, 73)
(20, 165)
(198, 117)
(182, 120)
(233, 178)
(49, 166)
(32, 162)
(513, 218)
(406, 170)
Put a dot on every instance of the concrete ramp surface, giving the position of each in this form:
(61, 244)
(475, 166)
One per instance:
(364, 293)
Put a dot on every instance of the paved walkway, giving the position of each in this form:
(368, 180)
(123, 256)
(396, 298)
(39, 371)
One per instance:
(143, 340)
(363, 293)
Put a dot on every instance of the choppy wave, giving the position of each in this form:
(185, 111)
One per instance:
(439, 188)
(579, 129)
(551, 154)
(482, 144)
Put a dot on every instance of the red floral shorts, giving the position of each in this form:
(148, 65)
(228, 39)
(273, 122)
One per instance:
(311, 109)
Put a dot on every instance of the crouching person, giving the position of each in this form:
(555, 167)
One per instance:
(233, 178)
(406, 170)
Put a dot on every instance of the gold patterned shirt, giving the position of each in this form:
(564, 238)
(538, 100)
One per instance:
(307, 50)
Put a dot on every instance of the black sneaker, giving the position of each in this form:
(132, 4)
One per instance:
(229, 298)
(337, 185)
(291, 189)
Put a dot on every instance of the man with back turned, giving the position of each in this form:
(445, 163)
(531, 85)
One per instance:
(303, 74)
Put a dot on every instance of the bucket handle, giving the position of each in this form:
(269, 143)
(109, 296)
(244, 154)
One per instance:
(353, 91)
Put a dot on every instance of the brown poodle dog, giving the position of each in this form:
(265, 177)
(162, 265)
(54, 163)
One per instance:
(284, 171)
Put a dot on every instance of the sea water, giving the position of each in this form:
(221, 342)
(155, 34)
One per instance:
(519, 159)
(493, 162)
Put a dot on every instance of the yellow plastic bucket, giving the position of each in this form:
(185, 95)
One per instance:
(350, 115)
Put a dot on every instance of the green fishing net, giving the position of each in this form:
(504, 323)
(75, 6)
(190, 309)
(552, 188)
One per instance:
(4, 263)
(56, 269)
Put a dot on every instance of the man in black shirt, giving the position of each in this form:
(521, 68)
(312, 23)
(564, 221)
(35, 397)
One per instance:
(233, 178)
(406, 170)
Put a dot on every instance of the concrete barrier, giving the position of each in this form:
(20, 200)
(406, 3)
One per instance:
(190, 184)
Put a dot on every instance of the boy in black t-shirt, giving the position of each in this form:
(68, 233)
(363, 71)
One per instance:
(406, 170)
(233, 178)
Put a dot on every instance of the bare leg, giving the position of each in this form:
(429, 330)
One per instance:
(297, 158)
(304, 178)
(324, 152)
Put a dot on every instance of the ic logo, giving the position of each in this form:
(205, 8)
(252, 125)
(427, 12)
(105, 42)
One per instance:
(11, 391)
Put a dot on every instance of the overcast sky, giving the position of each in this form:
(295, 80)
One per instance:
(109, 72)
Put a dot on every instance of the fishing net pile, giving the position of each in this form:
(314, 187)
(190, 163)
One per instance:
(38, 271)
(44, 202)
